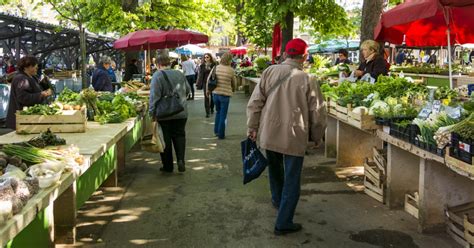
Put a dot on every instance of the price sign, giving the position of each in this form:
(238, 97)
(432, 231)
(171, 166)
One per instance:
(424, 113)
(436, 106)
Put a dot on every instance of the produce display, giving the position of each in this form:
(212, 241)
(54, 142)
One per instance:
(429, 69)
(424, 116)
(112, 108)
(131, 86)
(70, 100)
(25, 169)
(41, 109)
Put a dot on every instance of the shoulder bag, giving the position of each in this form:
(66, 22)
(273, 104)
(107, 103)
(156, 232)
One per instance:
(170, 102)
(212, 80)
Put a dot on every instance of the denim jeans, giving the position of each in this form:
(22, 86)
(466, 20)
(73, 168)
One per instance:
(222, 105)
(284, 174)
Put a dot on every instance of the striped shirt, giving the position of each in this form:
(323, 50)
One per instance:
(225, 80)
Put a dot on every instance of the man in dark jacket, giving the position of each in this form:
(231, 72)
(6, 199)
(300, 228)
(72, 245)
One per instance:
(100, 78)
(131, 69)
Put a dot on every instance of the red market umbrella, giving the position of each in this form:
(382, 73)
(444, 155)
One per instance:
(428, 23)
(138, 40)
(176, 37)
(158, 39)
(239, 50)
(276, 41)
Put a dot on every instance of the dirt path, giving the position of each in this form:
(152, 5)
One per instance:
(209, 207)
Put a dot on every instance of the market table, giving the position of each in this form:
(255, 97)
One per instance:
(409, 169)
(441, 80)
(251, 82)
(50, 215)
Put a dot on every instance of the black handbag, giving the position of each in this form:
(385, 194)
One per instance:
(170, 102)
(212, 80)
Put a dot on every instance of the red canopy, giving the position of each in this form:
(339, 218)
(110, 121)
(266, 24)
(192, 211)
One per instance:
(425, 22)
(159, 39)
(239, 50)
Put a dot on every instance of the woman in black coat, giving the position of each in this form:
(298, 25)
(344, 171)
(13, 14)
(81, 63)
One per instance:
(25, 89)
(204, 71)
(374, 63)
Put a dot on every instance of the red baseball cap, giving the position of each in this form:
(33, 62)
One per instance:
(296, 47)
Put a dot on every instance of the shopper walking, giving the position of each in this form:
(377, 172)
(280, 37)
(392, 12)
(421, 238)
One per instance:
(204, 70)
(285, 109)
(225, 87)
(189, 68)
(100, 78)
(166, 80)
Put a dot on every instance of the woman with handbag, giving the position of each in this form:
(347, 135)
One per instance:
(168, 93)
(204, 71)
(225, 78)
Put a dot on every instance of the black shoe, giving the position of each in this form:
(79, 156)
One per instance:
(166, 171)
(296, 228)
(208, 115)
(212, 112)
(181, 167)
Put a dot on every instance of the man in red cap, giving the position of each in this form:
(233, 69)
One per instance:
(286, 108)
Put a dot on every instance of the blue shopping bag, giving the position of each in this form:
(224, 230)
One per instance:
(253, 160)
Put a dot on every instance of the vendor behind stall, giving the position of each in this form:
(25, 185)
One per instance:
(374, 63)
(100, 78)
(343, 57)
(25, 89)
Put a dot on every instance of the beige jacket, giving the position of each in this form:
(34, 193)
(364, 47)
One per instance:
(285, 118)
(225, 80)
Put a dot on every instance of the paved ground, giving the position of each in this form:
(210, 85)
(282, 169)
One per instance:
(209, 207)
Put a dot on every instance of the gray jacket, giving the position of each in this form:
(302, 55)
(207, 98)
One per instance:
(159, 87)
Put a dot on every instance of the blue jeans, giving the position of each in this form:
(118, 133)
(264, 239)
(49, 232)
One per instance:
(285, 174)
(222, 105)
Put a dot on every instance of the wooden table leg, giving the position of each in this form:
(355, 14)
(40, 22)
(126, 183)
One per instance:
(65, 213)
(440, 186)
(403, 170)
(354, 145)
(330, 140)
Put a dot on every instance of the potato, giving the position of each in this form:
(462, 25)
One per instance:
(77, 107)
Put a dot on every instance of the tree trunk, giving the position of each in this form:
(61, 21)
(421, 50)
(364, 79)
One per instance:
(130, 6)
(287, 31)
(371, 11)
(82, 42)
(240, 38)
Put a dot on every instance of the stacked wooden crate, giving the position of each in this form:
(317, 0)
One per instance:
(460, 224)
(362, 120)
(69, 121)
(343, 112)
(374, 175)
(331, 107)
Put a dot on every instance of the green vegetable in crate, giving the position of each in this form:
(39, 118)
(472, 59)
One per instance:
(465, 128)
(70, 97)
(41, 109)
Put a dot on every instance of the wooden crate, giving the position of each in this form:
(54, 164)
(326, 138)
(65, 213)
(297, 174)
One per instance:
(460, 225)
(65, 74)
(362, 120)
(411, 204)
(374, 181)
(459, 166)
(380, 159)
(70, 121)
(331, 107)
(342, 112)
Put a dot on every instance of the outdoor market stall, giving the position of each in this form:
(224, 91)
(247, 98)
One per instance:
(403, 147)
(49, 216)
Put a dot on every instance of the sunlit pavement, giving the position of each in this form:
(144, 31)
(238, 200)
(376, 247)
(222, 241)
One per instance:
(208, 206)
